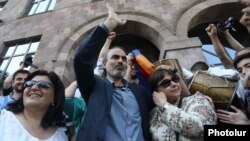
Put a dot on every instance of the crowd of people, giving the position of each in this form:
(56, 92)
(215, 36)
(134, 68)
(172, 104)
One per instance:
(112, 105)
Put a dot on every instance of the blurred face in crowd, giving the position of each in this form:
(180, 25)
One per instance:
(18, 81)
(133, 72)
(244, 66)
(38, 92)
(116, 64)
(170, 86)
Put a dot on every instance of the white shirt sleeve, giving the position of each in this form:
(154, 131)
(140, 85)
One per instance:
(99, 67)
(226, 73)
(187, 74)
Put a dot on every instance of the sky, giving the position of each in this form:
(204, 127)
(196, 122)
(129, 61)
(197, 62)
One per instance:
(215, 60)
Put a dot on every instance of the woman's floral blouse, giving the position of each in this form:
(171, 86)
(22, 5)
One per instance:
(188, 120)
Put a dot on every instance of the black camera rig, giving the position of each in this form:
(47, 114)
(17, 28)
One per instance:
(225, 25)
(28, 61)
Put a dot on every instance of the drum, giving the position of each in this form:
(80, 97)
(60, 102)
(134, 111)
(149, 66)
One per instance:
(170, 62)
(221, 90)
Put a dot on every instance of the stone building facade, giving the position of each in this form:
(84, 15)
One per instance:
(163, 23)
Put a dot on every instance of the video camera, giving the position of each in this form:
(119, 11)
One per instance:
(224, 25)
(28, 61)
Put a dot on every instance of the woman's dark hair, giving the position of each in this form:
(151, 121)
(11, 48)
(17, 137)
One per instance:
(54, 114)
(157, 76)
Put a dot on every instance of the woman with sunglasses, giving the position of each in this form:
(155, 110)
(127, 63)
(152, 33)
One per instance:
(34, 116)
(176, 117)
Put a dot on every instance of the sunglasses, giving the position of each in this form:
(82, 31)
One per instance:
(40, 84)
(167, 82)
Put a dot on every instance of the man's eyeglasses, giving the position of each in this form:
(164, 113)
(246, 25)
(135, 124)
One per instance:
(40, 84)
(167, 82)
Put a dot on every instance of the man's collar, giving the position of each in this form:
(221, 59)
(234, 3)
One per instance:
(125, 83)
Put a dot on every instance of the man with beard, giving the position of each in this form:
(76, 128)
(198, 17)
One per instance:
(99, 69)
(7, 85)
(17, 85)
(117, 110)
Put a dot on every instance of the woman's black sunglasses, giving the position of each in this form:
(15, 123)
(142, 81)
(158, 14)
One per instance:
(167, 82)
(40, 84)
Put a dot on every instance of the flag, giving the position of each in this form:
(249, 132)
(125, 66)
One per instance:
(144, 68)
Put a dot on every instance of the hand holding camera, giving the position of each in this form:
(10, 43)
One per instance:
(28, 61)
(222, 26)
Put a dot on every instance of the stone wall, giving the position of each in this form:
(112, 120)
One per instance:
(165, 23)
